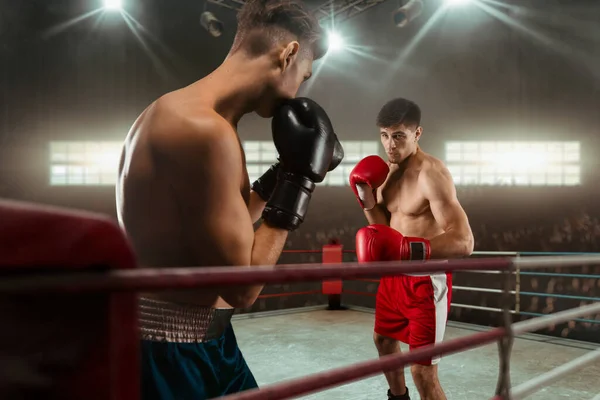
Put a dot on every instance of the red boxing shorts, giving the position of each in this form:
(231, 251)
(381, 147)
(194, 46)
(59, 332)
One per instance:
(414, 309)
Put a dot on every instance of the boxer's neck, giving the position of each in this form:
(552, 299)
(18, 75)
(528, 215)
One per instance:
(237, 86)
(404, 164)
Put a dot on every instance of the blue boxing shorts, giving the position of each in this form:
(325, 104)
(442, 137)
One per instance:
(190, 352)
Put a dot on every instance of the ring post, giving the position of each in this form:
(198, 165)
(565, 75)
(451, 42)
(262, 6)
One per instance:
(332, 254)
(506, 342)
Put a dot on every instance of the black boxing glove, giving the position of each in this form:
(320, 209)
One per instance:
(338, 154)
(265, 185)
(304, 138)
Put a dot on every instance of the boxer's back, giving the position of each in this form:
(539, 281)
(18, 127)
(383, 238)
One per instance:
(145, 204)
(401, 195)
(148, 206)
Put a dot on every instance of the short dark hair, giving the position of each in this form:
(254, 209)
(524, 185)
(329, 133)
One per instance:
(263, 22)
(399, 111)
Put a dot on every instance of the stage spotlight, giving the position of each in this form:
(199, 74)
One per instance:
(457, 2)
(211, 24)
(408, 12)
(113, 4)
(336, 42)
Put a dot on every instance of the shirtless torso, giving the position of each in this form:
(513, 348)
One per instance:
(413, 212)
(148, 206)
(402, 198)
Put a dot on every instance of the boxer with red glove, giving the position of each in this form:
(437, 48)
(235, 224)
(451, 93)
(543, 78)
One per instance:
(382, 243)
(410, 204)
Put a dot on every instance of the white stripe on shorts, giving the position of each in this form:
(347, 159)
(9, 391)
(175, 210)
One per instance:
(440, 298)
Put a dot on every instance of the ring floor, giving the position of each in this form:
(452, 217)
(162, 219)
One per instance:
(284, 345)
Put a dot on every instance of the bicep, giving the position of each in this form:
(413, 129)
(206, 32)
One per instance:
(439, 190)
(449, 214)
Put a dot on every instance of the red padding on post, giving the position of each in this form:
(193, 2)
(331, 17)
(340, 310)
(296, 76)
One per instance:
(65, 346)
(332, 254)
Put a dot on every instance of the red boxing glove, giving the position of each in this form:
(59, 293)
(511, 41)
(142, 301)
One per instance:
(366, 177)
(382, 243)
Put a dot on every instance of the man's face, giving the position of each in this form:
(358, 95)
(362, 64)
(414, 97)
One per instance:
(400, 141)
(286, 83)
(298, 72)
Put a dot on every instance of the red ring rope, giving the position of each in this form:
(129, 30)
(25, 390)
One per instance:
(147, 279)
(339, 376)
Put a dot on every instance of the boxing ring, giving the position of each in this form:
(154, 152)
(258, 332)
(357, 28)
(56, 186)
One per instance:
(73, 277)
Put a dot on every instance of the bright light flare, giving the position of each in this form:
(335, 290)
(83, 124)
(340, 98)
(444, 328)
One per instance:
(336, 42)
(113, 4)
(457, 2)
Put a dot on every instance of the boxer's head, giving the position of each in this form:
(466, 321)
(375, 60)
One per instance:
(284, 35)
(399, 123)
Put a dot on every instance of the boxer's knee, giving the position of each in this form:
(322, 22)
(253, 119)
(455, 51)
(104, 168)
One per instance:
(385, 344)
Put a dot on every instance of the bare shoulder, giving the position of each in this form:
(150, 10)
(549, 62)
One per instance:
(201, 135)
(435, 178)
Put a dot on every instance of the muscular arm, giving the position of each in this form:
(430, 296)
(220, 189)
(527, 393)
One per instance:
(256, 206)
(206, 166)
(457, 240)
(378, 214)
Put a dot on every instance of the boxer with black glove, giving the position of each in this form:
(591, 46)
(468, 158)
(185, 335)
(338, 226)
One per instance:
(184, 199)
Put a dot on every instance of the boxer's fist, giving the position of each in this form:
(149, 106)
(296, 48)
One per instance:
(366, 177)
(382, 243)
(304, 138)
(308, 148)
(338, 154)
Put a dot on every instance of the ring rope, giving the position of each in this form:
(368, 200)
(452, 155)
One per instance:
(560, 275)
(338, 376)
(533, 385)
(148, 279)
(477, 289)
(556, 261)
(535, 324)
(534, 314)
(145, 279)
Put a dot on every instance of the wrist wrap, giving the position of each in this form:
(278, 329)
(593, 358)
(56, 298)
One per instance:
(288, 204)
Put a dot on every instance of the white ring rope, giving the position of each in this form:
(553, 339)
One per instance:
(537, 383)
(478, 289)
(555, 261)
(535, 324)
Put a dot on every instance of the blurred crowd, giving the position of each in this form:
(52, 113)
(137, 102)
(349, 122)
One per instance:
(576, 233)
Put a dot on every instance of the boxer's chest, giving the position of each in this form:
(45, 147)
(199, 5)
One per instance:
(401, 194)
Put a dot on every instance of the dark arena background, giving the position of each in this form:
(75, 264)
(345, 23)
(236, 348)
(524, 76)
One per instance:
(509, 90)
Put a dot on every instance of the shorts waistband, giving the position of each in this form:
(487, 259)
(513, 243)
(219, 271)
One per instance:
(163, 321)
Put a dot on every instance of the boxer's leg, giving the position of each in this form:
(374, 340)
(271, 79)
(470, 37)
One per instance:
(235, 375)
(391, 328)
(430, 297)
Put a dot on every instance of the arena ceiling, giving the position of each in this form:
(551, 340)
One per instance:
(338, 10)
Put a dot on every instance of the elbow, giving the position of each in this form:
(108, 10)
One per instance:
(466, 245)
(241, 297)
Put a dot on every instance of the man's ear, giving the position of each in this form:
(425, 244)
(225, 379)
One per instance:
(288, 54)
(418, 133)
